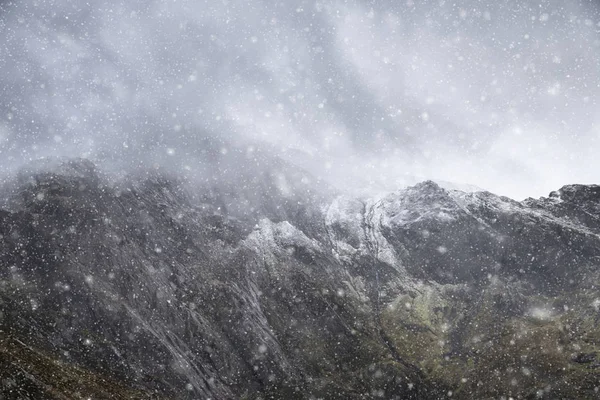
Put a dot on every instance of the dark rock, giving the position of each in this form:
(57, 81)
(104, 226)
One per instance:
(150, 287)
(584, 358)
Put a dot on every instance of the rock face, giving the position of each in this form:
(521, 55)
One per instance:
(133, 290)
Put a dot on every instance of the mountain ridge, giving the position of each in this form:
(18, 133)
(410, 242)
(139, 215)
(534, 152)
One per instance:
(421, 293)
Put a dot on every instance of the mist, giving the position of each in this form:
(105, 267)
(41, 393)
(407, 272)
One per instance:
(368, 96)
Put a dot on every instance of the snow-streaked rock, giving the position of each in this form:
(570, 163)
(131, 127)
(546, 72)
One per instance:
(408, 295)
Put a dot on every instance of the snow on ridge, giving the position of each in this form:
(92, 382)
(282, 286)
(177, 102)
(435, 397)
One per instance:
(426, 200)
(270, 239)
(360, 223)
(357, 227)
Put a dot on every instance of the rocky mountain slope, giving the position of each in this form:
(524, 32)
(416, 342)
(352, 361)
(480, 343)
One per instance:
(146, 289)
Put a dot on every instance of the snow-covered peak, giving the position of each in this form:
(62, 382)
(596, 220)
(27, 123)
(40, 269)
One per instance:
(426, 200)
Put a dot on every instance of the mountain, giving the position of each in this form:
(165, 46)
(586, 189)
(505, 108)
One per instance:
(149, 287)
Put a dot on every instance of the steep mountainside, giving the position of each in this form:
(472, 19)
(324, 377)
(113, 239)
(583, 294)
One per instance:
(138, 289)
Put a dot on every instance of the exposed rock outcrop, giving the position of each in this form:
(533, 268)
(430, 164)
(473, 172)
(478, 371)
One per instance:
(136, 289)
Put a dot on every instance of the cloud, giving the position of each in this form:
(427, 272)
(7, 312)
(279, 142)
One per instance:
(368, 95)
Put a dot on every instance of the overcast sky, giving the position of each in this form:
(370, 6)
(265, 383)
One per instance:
(504, 95)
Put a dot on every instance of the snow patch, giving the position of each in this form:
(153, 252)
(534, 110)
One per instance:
(542, 313)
